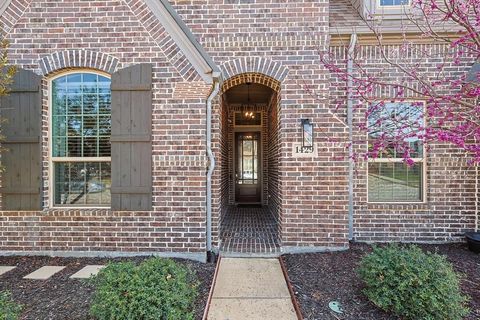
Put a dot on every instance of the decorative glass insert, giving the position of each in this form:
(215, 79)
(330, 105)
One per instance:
(248, 159)
(81, 129)
(248, 118)
(393, 3)
(390, 179)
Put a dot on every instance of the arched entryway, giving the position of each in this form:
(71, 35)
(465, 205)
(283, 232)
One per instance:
(250, 213)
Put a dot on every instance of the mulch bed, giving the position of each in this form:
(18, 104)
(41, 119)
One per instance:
(62, 298)
(318, 278)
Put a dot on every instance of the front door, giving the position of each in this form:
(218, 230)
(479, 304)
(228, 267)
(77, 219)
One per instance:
(247, 167)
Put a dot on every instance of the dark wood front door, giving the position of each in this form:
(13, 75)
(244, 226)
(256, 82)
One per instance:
(247, 167)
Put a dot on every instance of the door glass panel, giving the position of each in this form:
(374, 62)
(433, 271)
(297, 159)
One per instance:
(247, 159)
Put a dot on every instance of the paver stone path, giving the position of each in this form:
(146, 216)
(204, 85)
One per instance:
(5, 269)
(87, 271)
(44, 272)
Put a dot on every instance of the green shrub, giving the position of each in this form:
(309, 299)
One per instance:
(413, 284)
(155, 289)
(9, 310)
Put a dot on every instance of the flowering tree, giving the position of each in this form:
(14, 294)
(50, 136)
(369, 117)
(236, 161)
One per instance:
(451, 98)
(445, 83)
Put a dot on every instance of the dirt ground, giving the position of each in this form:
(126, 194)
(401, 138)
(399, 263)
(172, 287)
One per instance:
(61, 298)
(319, 278)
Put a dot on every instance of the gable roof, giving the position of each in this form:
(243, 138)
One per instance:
(343, 14)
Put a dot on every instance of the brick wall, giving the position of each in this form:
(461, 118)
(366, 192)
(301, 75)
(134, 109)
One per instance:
(256, 37)
(278, 41)
(273, 179)
(42, 31)
(450, 192)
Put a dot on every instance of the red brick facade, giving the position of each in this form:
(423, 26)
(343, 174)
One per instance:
(449, 206)
(268, 42)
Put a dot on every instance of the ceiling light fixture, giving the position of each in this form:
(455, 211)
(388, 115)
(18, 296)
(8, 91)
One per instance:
(247, 108)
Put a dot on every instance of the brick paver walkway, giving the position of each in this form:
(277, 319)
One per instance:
(249, 230)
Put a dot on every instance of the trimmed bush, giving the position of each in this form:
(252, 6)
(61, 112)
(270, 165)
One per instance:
(155, 289)
(413, 284)
(9, 310)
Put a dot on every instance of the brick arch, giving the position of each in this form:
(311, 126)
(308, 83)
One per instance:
(267, 67)
(252, 77)
(78, 59)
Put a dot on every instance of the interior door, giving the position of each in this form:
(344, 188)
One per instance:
(247, 167)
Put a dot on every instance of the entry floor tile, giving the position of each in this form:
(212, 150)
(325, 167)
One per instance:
(44, 272)
(5, 269)
(249, 230)
(87, 271)
(252, 309)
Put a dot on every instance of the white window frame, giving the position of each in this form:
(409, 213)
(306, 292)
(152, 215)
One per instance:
(52, 160)
(423, 161)
(394, 7)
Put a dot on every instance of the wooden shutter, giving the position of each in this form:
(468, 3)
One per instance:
(132, 138)
(21, 112)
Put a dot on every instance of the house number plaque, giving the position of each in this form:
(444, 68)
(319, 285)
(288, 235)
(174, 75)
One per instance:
(300, 151)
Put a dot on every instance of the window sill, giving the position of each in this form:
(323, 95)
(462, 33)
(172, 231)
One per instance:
(59, 210)
(398, 205)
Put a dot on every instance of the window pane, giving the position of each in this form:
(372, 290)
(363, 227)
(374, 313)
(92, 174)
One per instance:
(394, 127)
(104, 147)
(394, 182)
(59, 146)
(82, 183)
(82, 113)
(394, 2)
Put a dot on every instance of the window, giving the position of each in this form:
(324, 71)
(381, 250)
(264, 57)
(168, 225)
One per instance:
(80, 151)
(390, 179)
(393, 3)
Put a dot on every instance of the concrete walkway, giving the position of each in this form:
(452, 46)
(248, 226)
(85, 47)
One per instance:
(248, 288)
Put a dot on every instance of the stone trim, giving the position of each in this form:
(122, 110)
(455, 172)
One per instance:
(78, 59)
(252, 77)
(267, 67)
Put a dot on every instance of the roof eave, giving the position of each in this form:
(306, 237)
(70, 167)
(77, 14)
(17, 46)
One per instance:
(4, 5)
(184, 39)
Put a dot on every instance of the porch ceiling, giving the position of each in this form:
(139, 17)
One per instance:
(258, 94)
